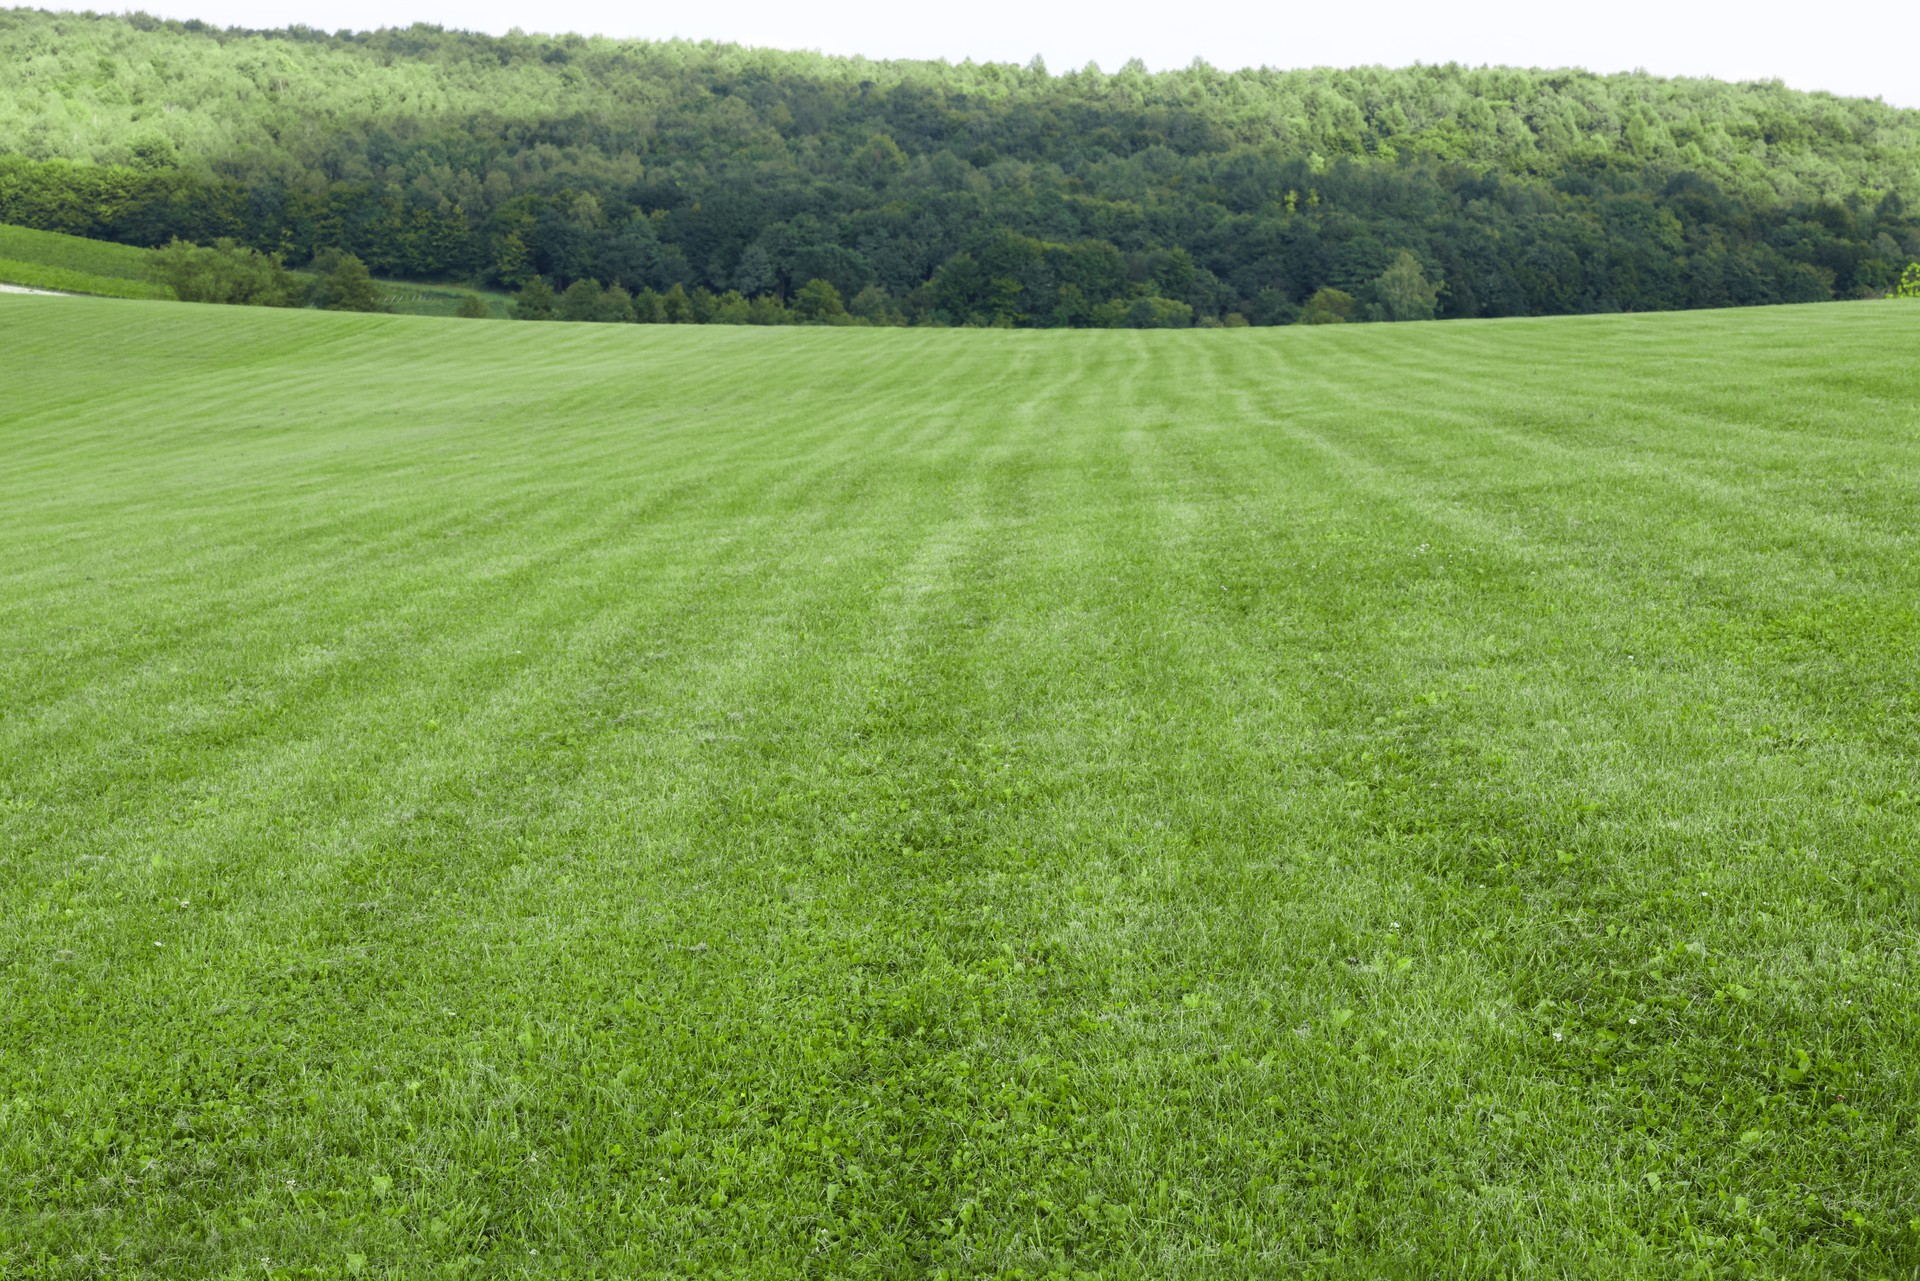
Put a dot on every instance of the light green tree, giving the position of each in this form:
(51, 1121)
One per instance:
(1909, 286)
(1403, 292)
(1328, 306)
(818, 300)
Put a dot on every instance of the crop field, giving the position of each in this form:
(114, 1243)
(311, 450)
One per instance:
(541, 800)
(415, 298)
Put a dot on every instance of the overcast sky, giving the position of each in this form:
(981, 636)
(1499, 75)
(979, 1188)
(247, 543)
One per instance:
(1869, 49)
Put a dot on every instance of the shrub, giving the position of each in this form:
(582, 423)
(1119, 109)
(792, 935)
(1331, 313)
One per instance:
(226, 272)
(1329, 306)
(818, 301)
(535, 301)
(342, 283)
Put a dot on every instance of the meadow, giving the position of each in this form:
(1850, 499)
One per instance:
(573, 800)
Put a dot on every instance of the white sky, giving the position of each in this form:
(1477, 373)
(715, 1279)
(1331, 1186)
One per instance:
(1870, 48)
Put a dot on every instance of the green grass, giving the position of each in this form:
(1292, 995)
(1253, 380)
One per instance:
(413, 298)
(74, 264)
(71, 264)
(63, 280)
(536, 800)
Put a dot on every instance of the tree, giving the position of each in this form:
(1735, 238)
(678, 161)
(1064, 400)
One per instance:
(1328, 306)
(342, 283)
(535, 301)
(874, 306)
(1403, 292)
(879, 160)
(818, 301)
(675, 307)
(474, 307)
(1909, 286)
(754, 276)
(588, 300)
(1154, 312)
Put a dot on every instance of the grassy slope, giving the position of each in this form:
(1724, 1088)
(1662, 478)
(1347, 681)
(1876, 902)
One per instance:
(1427, 799)
(74, 264)
(49, 260)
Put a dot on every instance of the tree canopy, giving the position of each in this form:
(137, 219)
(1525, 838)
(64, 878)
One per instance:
(959, 194)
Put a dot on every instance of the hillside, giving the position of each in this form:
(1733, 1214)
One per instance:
(72, 264)
(510, 799)
(981, 194)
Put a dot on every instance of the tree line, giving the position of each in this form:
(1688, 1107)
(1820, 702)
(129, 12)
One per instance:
(692, 182)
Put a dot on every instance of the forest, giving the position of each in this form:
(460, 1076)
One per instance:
(685, 181)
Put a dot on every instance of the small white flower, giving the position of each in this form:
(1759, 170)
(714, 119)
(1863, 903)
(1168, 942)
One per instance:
(1396, 925)
(1633, 1020)
(1558, 1037)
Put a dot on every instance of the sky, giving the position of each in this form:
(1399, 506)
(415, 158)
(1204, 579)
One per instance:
(1871, 48)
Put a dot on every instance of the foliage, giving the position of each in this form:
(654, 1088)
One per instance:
(474, 307)
(1329, 306)
(818, 301)
(225, 272)
(1403, 292)
(978, 194)
(535, 301)
(341, 283)
(1403, 802)
(1909, 286)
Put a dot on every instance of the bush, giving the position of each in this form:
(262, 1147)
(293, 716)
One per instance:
(474, 307)
(1153, 312)
(535, 301)
(1329, 306)
(1909, 286)
(226, 272)
(818, 301)
(587, 300)
(342, 283)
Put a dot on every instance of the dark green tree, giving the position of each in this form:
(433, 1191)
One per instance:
(342, 283)
(227, 273)
(535, 301)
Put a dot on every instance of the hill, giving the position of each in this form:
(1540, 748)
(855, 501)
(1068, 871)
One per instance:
(551, 799)
(982, 194)
(69, 264)
(73, 264)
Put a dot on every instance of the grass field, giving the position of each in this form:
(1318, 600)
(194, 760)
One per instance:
(71, 264)
(413, 298)
(74, 264)
(1373, 801)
